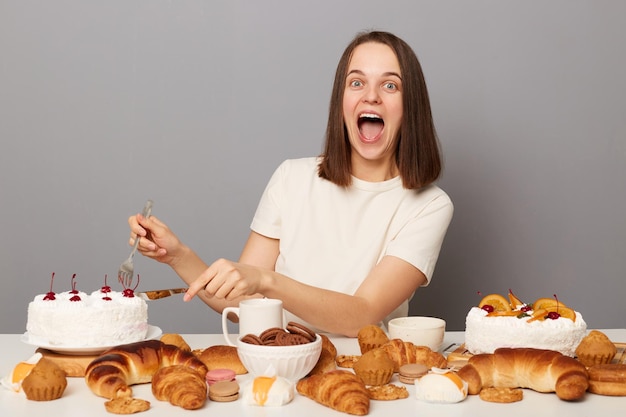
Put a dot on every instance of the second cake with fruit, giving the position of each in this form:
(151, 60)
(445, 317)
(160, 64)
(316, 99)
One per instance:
(546, 323)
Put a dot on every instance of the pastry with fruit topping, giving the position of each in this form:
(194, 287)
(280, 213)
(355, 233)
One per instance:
(548, 323)
(77, 319)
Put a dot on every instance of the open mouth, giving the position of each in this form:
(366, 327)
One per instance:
(370, 125)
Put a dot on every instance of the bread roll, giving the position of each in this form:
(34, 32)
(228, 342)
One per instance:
(111, 374)
(537, 369)
(222, 357)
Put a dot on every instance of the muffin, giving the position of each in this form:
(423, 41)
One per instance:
(595, 349)
(370, 337)
(374, 367)
(45, 382)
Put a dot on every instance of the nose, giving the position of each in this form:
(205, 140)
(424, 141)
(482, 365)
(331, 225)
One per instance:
(371, 95)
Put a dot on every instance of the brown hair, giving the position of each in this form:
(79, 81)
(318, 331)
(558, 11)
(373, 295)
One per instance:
(417, 150)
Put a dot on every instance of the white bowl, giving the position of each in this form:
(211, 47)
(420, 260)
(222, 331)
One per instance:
(419, 330)
(291, 362)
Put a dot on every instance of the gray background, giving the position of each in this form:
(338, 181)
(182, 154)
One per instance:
(104, 104)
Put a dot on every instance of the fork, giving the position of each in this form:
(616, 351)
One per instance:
(127, 269)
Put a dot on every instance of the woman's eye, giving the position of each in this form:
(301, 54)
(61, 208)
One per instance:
(390, 86)
(356, 83)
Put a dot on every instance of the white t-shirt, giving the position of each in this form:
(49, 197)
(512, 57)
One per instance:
(331, 237)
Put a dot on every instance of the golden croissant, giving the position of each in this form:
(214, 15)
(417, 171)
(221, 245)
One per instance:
(402, 352)
(340, 390)
(181, 386)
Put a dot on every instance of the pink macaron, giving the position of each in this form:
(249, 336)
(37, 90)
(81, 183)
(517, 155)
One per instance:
(216, 375)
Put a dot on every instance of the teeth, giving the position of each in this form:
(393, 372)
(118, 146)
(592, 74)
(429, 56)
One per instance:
(369, 116)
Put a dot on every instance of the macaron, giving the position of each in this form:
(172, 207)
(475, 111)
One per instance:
(217, 375)
(224, 391)
(411, 371)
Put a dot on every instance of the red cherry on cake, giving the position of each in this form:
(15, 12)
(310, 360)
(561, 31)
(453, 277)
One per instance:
(488, 308)
(106, 288)
(74, 291)
(128, 292)
(553, 315)
(50, 295)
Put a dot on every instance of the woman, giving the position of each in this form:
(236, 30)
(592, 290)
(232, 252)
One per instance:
(346, 238)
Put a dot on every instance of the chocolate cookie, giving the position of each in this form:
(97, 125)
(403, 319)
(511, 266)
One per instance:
(252, 339)
(299, 329)
(269, 336)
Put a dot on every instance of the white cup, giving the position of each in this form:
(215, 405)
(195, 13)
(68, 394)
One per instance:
(255, 316)
(419, 330)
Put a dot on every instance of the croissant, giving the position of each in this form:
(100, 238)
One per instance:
(111, 374)
(537, 369)
(340, 390)
(181, 386)
(402, 352)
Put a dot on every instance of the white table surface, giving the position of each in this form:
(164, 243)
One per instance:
(79, 401)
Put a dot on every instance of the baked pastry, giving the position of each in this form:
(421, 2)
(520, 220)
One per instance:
(45, 382)
(595, 349)
(441, 386)
(126, 405)
(402, 352)
(340, 390)
(501, 395)
(181, 386)
(346, 361)
(374, 367)
(328, 345)
(538, 369)
(176, 340)
(325, 363)
(222, 357)
(387, 392)
(370, 337)
(111, 374)
(608, 379)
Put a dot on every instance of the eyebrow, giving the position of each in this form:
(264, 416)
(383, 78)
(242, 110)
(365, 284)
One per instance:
(385, 74)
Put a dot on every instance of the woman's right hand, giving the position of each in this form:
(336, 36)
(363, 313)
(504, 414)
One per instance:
(157, 240)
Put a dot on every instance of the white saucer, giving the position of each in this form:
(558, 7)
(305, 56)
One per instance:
(153, 333)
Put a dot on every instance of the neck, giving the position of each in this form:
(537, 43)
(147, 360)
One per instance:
(374, 171)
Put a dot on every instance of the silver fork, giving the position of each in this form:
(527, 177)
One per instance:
(127, 269)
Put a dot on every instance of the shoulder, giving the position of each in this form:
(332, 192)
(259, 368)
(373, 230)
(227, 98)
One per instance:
(297, 170)
(431, 199)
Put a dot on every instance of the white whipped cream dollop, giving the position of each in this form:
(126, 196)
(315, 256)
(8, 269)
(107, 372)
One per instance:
(441, 386)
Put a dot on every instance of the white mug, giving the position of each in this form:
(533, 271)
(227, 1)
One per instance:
(255, 316)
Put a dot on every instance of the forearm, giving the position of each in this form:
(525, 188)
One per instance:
(188, 266)
(331, 311)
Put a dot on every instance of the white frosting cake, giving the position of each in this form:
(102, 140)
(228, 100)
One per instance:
(485, 334)
(93, 320)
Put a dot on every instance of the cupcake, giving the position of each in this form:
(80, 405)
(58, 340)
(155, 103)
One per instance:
(370, 337)
(595, 349)
(45, 382)
(374, 367)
